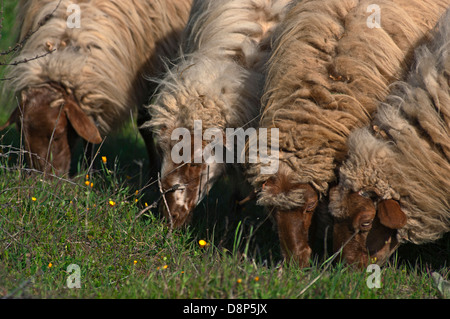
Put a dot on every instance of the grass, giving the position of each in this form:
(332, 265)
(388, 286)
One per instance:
(7, 35)
(48, 224)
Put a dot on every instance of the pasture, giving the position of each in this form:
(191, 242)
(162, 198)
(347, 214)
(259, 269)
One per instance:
(100, 220)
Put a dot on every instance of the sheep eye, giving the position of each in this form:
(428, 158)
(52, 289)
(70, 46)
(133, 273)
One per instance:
(311, 207)
(368, 194)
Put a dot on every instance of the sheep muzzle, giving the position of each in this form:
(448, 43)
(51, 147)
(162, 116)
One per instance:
(178, 204)
(376, 237)
(51, 122)
(293, 223)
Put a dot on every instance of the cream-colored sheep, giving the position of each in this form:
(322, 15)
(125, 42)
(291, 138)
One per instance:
(218, 81)
(93, 74)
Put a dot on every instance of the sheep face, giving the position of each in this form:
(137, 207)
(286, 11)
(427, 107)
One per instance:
(51, 122)
(293, 223)
(185, 185)
(366, 226)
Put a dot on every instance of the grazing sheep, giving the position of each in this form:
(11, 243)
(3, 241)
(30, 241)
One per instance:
(328, 68)
(395, 185)
(92, 78)
(217, 82)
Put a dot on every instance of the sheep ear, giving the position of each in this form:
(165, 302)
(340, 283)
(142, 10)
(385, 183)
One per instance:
(390, 214)
(13, 118)
(81, 123)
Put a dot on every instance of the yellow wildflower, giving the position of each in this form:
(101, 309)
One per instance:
(202, 243)
(135, 262)
(239, 280)
(112, 203)
(87, 183)
(33, 199)
(104, 159)
(50, 265)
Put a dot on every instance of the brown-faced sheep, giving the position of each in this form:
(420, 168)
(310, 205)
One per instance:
(395, 185)
(330, 65)
(93, 76)
(216, 85)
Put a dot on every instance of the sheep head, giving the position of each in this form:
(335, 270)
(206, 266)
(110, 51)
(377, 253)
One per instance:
(51, 121)
(293, 222)
(373, 223)
(185, 184)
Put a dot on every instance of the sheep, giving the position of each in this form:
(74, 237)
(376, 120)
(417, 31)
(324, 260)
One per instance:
(217, 84)
(329, 66)
(394, 185)
(91, 76)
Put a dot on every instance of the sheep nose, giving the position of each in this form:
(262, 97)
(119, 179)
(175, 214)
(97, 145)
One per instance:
(302, 256)
(176, 215)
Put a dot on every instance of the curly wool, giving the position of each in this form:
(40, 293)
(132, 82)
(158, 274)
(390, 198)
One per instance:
(405, 154)
(326, 74)
(105, 60)
(219, 76)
